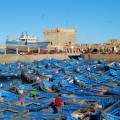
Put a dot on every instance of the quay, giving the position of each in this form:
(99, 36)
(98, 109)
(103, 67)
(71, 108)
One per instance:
(7, 58)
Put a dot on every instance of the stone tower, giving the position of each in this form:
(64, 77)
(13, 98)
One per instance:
(59, 38)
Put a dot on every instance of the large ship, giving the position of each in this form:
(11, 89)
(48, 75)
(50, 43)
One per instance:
(26, 40)
(23, 42)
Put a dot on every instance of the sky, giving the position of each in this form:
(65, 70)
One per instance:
(96, 21)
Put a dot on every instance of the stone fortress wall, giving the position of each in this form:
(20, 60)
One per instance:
(65, 40)
(14, 57)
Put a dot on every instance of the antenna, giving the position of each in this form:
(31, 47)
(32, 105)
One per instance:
(58, 25)
(75, 28)
(9, 37)
(66, 22)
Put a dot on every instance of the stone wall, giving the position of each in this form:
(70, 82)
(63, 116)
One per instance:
(15, 57)
(108, 57)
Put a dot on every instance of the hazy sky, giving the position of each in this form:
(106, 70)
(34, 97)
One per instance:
(96, 20)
